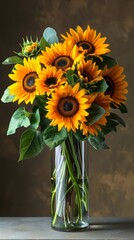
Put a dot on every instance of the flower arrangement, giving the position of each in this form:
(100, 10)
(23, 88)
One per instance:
(73, 86)
(75, 90)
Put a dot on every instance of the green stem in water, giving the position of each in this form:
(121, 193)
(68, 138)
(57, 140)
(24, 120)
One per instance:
(69, 173)
(70, 169)
(74, 157)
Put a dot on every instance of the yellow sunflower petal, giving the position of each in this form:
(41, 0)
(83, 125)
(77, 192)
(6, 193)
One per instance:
(116, 84)
(24, 88)
(87, 40)
(69, 108)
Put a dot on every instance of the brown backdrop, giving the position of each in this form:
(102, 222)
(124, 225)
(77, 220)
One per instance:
(25, 186)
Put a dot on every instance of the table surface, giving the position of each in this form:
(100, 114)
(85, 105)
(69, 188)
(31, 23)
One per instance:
(103, 228)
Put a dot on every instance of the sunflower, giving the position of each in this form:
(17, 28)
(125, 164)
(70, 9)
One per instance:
(87, 41)
(24, 88)
(89, 71)
(61, 55)
(49, 79)
(67, 108)
(116, 84)
(104, 102)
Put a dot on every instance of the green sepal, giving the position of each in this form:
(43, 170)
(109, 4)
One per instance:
(98, 142)
(95, 113)
(99, 86)
(20, 118)
(13, 60)
(109, 61)
(43, 44)
(7, 97)
(31, 144)
(52, 137)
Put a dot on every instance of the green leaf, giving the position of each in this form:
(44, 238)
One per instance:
(41, 101)
(43, 44)
(110, 126)
(122, 107)
(107, 130)
(117, 119)
(98, 142)
(7, 97)
(13, 60)
(45, 122)
(113, 120)
(109, 61)
(69, 73)
(52, 137)
(79, 135)
(31, 144)
(100, 86)
(18, 119)
(35, 119)
(95, 113)
(71, 77)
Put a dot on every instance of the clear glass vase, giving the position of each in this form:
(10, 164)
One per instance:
(69, 186)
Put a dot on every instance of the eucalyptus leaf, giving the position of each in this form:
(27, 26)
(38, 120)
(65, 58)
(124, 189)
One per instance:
(13, 60)
(52, 137)
(7, 97)
(95, 113)
(31, 144)
(98, 142)
(18, 119)
(50, 35)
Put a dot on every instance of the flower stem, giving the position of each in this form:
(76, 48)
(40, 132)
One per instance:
(71, 172)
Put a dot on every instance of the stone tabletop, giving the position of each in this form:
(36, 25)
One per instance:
(22, 228)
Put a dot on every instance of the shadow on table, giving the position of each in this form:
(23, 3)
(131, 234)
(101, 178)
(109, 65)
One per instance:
(112, 226)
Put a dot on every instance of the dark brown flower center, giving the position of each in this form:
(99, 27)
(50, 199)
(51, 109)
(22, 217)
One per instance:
(68, 106)
(63, 62)
(51, 81)
(87, 76)
(29, 82)
(110, 89)
(86, 46)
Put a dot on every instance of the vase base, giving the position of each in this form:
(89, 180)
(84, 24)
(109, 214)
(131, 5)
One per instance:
(71, 227)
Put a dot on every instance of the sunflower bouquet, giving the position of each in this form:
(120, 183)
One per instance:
(74, 89)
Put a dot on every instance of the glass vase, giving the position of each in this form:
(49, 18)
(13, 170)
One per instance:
(69, 186)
